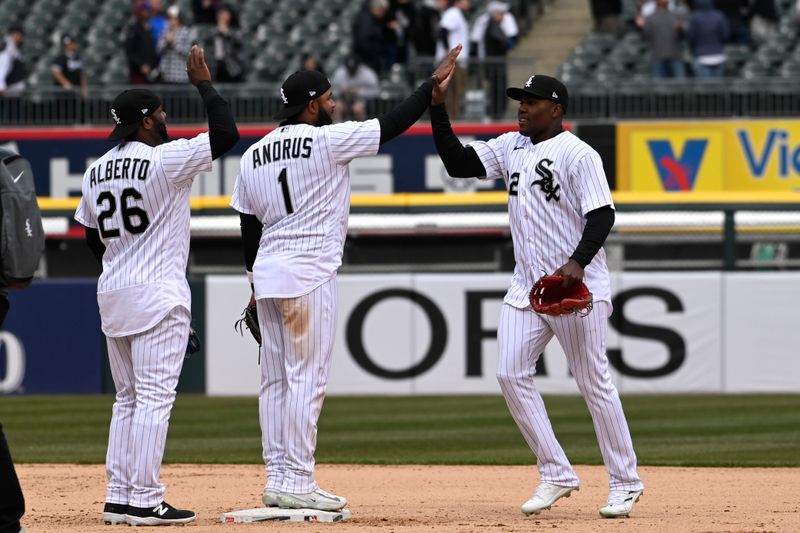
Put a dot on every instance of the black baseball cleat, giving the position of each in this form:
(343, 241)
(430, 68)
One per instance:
(115, 514)
(162, 514)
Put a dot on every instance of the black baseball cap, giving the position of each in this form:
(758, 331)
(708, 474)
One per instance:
(129, 108)
(299, 89)
(541, 86)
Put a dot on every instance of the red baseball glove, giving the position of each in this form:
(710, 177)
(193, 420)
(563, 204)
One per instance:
(549, 297)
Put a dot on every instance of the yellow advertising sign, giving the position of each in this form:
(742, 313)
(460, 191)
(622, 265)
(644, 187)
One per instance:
(708, 156)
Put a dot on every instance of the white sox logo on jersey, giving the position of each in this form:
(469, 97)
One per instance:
(546, 183)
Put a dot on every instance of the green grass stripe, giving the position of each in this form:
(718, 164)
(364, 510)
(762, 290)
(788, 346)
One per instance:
(695, 430)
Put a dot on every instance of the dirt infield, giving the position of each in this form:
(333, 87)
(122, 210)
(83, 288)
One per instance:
(388, 499)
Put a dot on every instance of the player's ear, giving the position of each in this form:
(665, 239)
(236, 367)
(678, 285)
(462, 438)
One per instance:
(148, 122)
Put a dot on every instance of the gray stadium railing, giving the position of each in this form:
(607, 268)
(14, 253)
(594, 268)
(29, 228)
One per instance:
(251, 102)
(690, 98)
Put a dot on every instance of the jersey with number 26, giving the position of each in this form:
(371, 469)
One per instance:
(296, 181)
(137, 196)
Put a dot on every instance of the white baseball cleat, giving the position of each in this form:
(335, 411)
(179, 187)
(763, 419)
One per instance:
(620, 503)
(546, 495)
(319, 499)
(270, 498)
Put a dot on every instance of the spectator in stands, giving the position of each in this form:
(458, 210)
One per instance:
(205, 11)
(397, 32)
(426, 28)
(763, 19)
(352, 84)
(226, 43)
(707, 32)
(369, 41)
(606, 15)
(454, 30)
(13, 70)
(494, 33)
(158, 21)
(648, 7)
(139, 46)
(503, 18)
(736, 13)
(173, 48)
(663, 31)
(308, 61)
(67, 68)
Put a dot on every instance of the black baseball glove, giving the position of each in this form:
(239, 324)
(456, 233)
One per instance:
(250, 321)
(193, 346)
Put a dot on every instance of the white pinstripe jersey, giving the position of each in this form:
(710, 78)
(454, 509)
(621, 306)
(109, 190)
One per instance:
(296, 181)
(137, 196)
(551, 186)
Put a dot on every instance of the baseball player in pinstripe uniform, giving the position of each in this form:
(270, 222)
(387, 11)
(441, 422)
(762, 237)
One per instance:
(293, 193)
(135, 207)
(560, 211)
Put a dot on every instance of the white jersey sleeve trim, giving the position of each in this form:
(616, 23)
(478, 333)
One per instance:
(591, 179)
(239, 200)
(183, 159)
(492, 154)
(84, 215)
(350, 140)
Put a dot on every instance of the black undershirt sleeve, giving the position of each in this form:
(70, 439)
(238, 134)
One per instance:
(598, 225)
(222, 131)
(95, 244)
(251, 236)
(460, 161)
(406, 113)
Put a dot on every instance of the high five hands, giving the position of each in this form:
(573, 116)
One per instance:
(443, 74)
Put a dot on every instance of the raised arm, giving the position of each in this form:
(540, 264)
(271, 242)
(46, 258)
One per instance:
(222, 131)
(460, 161)
(411, 109)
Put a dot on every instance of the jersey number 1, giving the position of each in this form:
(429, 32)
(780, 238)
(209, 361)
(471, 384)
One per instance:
(287, 199)
(128, 213)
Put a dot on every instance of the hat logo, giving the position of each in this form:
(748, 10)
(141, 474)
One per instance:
(115, 117)
(144, 111)
(530, 80)
(312, 93)
(283, 97)
(555, 95)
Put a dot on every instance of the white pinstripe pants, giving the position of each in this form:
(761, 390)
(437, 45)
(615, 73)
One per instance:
(298, 336)
(522, 336)
(145, 368)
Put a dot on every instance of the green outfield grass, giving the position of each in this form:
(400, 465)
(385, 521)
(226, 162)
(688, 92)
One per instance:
(746, 430)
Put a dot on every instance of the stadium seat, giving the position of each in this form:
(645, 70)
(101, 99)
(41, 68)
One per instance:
(116, 72)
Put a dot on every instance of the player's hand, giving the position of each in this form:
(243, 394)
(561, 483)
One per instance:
(196, 67)
(572, 272)
(443, 74)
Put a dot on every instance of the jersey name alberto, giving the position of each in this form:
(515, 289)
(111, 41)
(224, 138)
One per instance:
(137, 196)
(551, 186)
(296, 181)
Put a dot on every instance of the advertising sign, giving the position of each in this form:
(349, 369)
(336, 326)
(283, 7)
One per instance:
(402, 334)
(708, 156)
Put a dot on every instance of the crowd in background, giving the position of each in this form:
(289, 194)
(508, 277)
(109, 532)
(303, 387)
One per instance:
(704, 28)
(386, 34)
